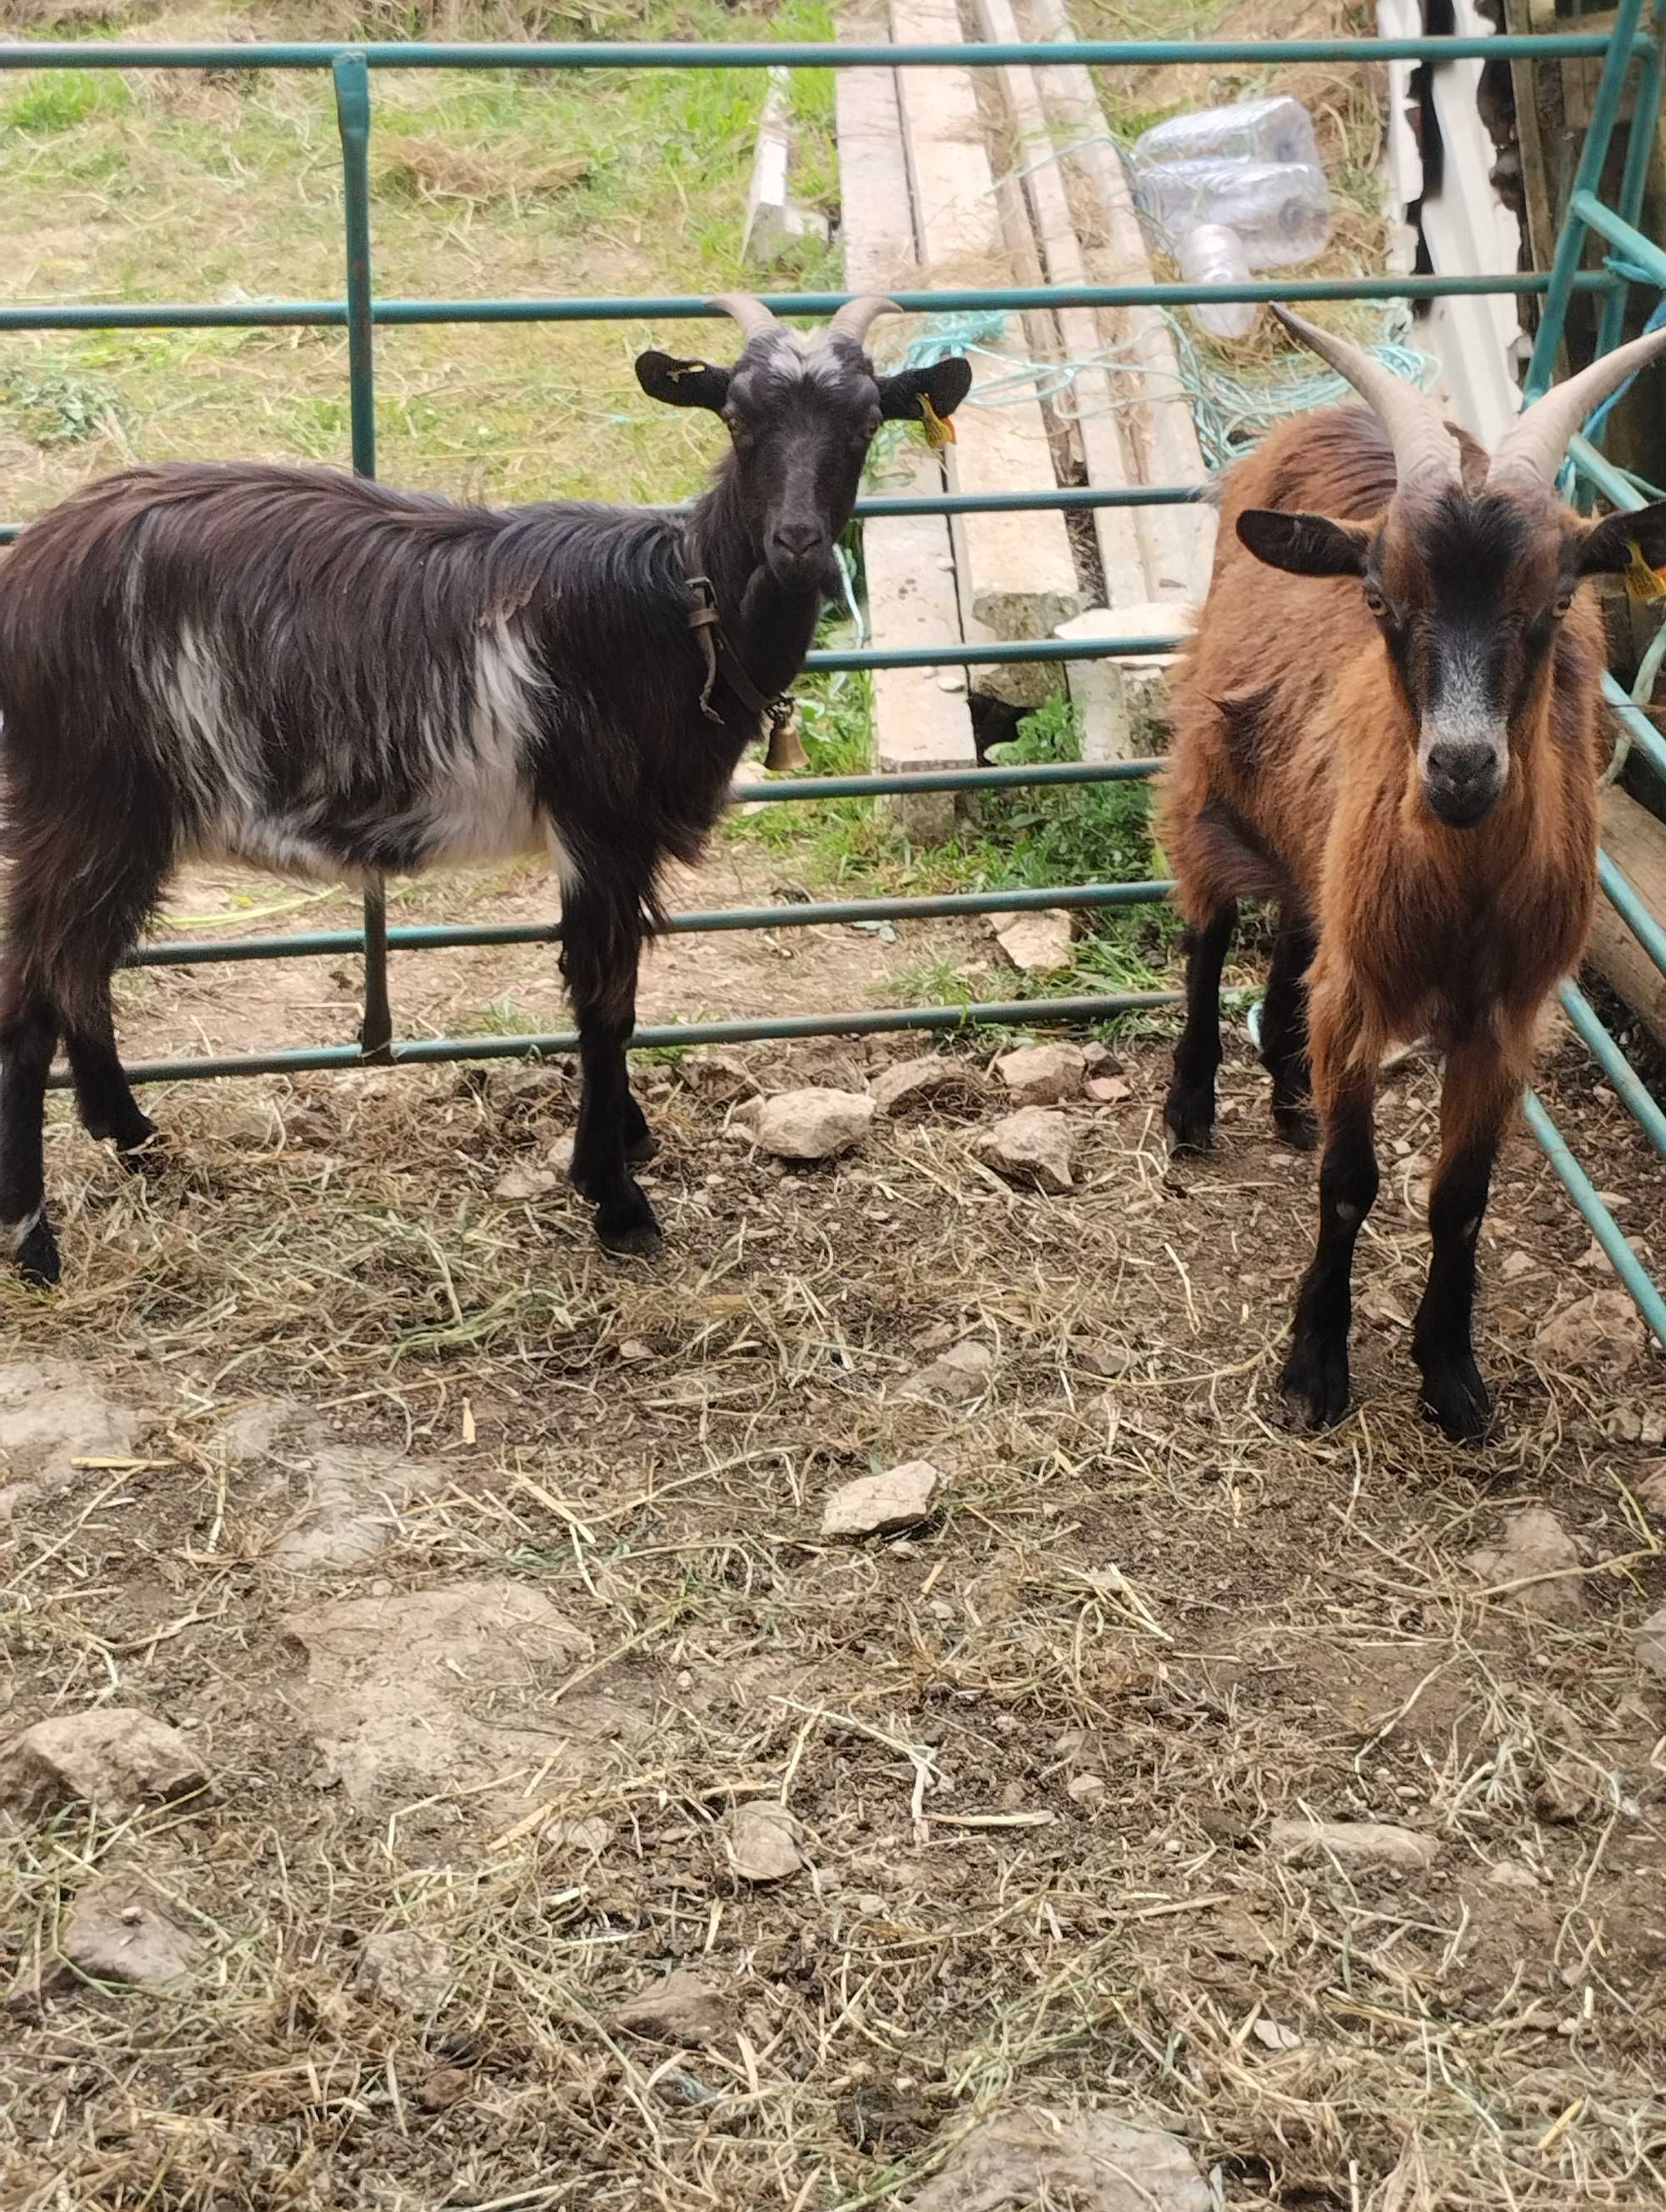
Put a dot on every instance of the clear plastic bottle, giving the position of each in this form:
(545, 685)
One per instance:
(1212, 254)
(1280, 210)
(1276, 130)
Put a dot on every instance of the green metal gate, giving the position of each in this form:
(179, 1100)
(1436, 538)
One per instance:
(1633, 258)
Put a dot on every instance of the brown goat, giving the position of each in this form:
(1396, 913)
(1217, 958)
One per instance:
(1390, 722)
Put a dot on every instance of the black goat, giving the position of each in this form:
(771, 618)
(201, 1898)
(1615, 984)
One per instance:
(298, 669)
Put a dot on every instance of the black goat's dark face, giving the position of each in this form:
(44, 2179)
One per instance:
(800, 420)
(1468, 587)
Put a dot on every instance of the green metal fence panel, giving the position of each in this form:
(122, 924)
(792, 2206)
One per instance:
(360, 314)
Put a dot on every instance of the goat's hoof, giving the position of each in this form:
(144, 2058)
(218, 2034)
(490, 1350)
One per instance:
(625, 1224)
(149, 1156)
(642, 1148)
(1190, 1118)
(638, 1240)
(36, 1258)
(1315, 1381)
(1454, 1396)
(1296, 1126)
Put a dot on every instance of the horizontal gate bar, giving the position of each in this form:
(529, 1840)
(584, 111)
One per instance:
(1093, 53)
(946, 778)
(421, 1051)
(1632, 1091)
(1602, 1225)
(693, 306)
(991, 656)
(801, 915)
(1067, 498)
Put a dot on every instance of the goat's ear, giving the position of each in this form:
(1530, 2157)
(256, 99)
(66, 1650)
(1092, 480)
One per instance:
(1606, 548)
(683, 383)
(1304, 544)
(945, 383)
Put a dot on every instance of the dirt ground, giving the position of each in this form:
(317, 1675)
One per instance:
(483, 1579)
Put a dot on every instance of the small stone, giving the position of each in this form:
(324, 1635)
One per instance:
(590, 1837)
(559, 1157)
(1037, 944)
(1109, 1090)
(1085, 1788)
(719, 1076)
(1651, 1645)
(955, 1378)
(401, 1968)
(762, 1841)
(1108, 1360)
(633, 1352)
(113, 1758)
(120, 1931)
(810, 1125)
(1510, 1874)
(1600, 1331)
(1652, 1489)
(1042, 1074)
(1032, 1145)
(1534, 1543)
(1275, 2037)
(683, 2009)
(1514, 1266)
(442, 2088)
(1100, 1059)
(916, 1083)
(1354, 1842)
(880, 1504)
(520, 1182)
(1092, 2160)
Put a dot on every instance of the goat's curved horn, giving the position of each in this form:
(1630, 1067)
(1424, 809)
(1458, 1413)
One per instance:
(852, 320)
(753, 317)
(1423, 446)
(1533, 448)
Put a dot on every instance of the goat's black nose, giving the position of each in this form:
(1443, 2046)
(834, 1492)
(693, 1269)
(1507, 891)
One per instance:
(801, 539)
(1463, 768)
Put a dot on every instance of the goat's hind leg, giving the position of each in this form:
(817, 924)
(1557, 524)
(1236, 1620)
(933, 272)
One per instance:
(1284, 1033)
(104, 1096)
(28, 1036)
(1478, 1093)
(1190, 1109)
(601, 947)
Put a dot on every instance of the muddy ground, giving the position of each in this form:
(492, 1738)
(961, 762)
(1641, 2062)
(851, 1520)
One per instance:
(482, 1577)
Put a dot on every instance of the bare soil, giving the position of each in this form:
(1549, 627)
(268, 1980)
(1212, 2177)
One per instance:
(485, 1628)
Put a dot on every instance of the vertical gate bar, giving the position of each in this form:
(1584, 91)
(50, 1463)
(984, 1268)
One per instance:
(1588, 177)
(351, 74)
(1646, 111)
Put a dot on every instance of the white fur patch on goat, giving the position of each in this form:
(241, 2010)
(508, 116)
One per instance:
(481, 807)
(14, 1234)
(216, 760)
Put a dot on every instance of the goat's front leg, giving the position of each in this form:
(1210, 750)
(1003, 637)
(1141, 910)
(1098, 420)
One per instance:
(601, 949)
(1190, 1109)
(1316, 1373)
(1478, 1094)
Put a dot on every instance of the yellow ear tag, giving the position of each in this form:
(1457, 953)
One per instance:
(940, 432)
(1643, 582)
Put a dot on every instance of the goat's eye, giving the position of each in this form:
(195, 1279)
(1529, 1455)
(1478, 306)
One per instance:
(1375, 600)
(1564, 604)
(870, 428)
